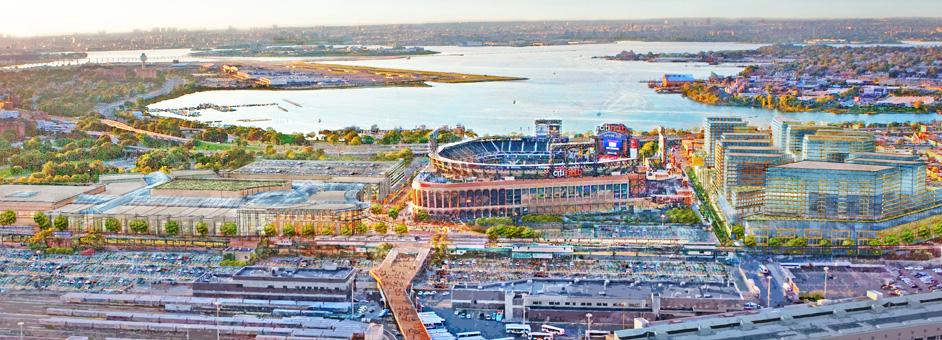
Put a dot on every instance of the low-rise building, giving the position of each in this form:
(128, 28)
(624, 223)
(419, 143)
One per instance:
(264, 283)
(380, 178)
(906, 317)
(609, 301)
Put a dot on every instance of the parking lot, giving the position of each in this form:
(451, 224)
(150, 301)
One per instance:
(100, 272)
(842, 282)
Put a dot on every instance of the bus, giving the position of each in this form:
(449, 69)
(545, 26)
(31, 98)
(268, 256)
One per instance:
(597, 334)
(467, 334)
(553, 330)
(517, 329)
(540, 336)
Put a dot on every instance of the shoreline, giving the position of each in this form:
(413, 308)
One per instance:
(848, 111)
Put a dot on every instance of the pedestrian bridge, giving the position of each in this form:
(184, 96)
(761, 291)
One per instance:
(394, 277)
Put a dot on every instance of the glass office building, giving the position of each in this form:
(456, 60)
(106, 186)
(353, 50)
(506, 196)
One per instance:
(835, 146)
(714, 128)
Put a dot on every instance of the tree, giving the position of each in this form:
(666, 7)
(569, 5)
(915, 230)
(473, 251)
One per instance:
(308, 230)
(825, 242)
(61, 223)
(938, 229)
(229, 229)
(774, 242)
(891, 240)
(346, 230)
(270, 230)
(380, 228)
(202, 228)
(362, 228)
(393, 212)
(112, 225)
(847, 242)
(925, 233)
(287, 230)
(326, 230)
(8, 217)
(41, 220)
(421, 216)
(797, 242)
(172, 227)
(739, 231)
(138, 226)
(648, 149)
(750, 241)
(376, 209)
(907, 236)
(401, 229)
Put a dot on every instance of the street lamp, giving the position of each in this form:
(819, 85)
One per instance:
(826, 282)
(21, 328)
(217, 304)
(768, 291)
(588, 331)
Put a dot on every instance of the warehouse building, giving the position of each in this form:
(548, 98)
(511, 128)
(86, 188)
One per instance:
(380, 178)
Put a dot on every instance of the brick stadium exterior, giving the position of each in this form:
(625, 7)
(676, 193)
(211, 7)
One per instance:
(514, 176)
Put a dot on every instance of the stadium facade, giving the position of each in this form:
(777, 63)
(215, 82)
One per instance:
(513, 176)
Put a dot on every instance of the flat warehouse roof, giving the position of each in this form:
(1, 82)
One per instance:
(318, 168)
(41, 193)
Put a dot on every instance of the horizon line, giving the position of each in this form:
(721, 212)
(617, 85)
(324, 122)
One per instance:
(273, 26)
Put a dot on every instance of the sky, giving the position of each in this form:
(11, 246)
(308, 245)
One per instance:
(53, 17)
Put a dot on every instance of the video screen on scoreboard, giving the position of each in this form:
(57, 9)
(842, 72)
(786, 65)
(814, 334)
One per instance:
(612, 145)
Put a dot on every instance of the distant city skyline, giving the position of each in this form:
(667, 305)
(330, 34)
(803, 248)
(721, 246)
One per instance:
(48, 17)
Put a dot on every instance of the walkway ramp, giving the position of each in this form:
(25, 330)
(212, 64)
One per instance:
(394, 277)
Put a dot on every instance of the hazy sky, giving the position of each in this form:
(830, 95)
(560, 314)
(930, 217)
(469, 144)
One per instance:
(44, 17)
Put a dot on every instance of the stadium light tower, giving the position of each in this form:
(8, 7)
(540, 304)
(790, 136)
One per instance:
(143, 60)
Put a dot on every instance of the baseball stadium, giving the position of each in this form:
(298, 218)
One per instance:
(542, 174)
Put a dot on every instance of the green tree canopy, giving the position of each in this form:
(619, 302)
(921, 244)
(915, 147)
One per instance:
(112, 225)
(172, 227)
(61, 223)
(380, 228)
(138, 226)
(229, 229)
(8, 217)
(202, 228)
(401, 229)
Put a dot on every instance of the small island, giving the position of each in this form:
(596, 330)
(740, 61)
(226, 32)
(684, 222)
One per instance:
(801, 78)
